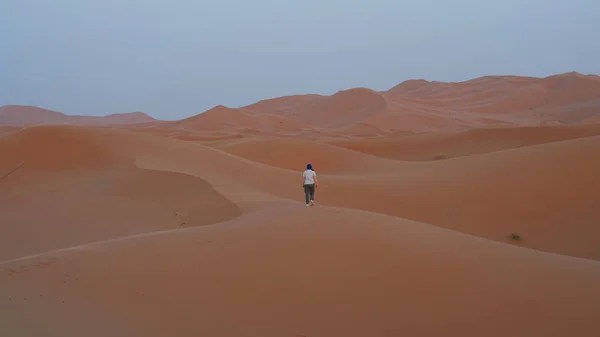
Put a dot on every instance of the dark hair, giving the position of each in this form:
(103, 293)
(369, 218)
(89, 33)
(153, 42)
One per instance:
(309, 167)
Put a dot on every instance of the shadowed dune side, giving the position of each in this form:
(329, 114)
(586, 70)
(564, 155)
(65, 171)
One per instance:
(75, 186)
(445, 145)
(292, 154)
(57, 148)
(289, 271)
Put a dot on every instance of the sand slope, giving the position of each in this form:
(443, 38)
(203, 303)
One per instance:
(74, 188)
(545, 192)
(288, 115)
(289, 272)
(285, 106)
(443, 145)
(341, 109)
(223, 119)
(293, 153)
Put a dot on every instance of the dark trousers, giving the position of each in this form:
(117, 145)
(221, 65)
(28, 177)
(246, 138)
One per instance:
(309, 192)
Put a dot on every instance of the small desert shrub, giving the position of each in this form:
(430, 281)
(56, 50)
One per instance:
(516, 236)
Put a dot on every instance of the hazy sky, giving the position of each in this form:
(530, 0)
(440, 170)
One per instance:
(176, 58)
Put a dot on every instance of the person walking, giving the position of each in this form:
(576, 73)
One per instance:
(309, 182)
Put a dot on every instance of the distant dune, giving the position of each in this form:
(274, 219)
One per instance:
(423, 106)
(19, 116)
(415, 106)
(344, 108)
(569, 98)
(285, 106)
(443, 209)
(223, 119)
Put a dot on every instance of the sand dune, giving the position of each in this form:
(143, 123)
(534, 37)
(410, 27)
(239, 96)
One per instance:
(19, 115)
(223, 119)
(69, 209)
(335, 273)
(503, 94)
(198, 226)
(423, 106)
(412, 106)
(59, 148)
(16, 115)
(443, 145)
(409, 86)
(489, 195)
(285, 106)
(460, 194)
(74, 188)
(344, 108)
(545, 192)
(292, 154)
(567, 98)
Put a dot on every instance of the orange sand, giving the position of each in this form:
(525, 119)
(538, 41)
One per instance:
(137, 227)
(443, 145)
